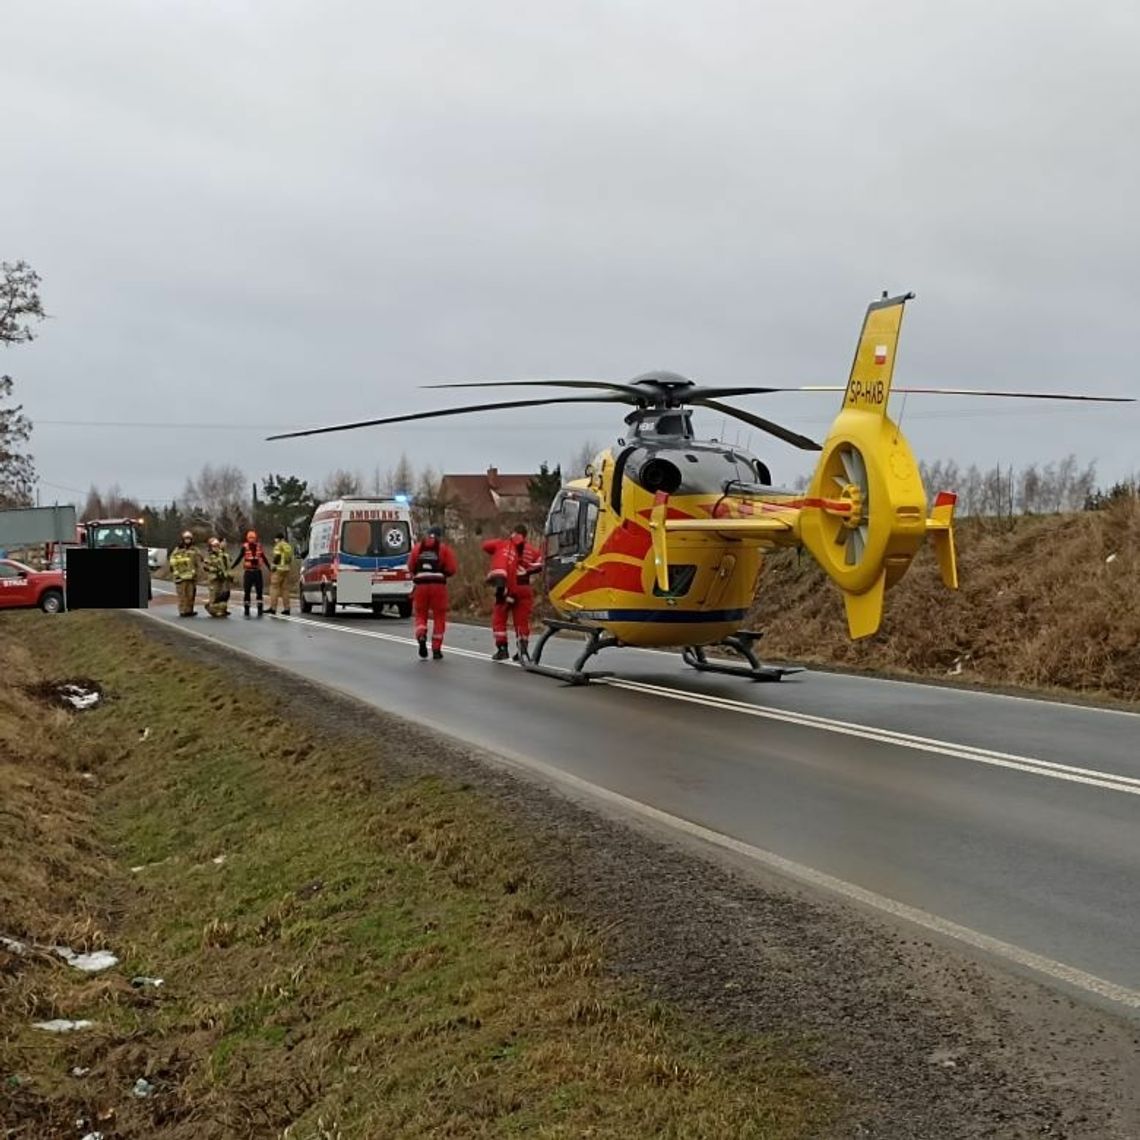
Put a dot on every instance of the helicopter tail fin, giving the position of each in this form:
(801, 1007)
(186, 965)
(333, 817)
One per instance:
(873, 368)
(865, 516)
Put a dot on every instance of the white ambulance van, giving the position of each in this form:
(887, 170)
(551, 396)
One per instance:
(358, 556)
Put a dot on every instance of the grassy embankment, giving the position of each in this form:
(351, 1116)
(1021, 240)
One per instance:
(346, 951)
(1049, 602)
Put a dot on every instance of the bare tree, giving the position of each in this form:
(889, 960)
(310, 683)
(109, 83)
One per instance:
(340, 483)
(585, 455)
(19, 302)
(109, 504)
(216, 501)
(397, 480)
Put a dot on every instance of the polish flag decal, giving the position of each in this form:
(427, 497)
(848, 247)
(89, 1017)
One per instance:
(880, 354)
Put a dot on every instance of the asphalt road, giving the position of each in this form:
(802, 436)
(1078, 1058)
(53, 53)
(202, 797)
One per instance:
(1009, 824)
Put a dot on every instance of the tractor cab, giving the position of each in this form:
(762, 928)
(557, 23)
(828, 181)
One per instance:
(103, 534)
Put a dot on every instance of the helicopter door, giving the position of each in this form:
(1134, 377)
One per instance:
(570, 529)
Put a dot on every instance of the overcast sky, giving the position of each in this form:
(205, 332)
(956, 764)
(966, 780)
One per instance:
(291, 214)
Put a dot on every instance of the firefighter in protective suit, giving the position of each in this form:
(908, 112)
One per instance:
(219, 576)
(281, 559)
(431, 563)
(513, 562)
(184, 566)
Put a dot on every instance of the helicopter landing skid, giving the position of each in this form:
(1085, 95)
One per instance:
(576, 675)
(741, 643)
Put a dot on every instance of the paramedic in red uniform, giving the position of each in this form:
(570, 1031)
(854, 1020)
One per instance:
(513, 561)
(252, 557)
(431, 563)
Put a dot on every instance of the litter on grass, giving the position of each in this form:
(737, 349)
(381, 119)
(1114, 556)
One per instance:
(143, 1088)
(142, 983)
(78, 694)
(61, 1025)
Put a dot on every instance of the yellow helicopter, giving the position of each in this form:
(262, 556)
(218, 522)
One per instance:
(661, 543)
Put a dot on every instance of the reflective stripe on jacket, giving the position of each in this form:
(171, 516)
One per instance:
(183, 563)
(282, 555)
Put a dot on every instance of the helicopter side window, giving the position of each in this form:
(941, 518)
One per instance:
(568, 531)
(588, 525)
(562, 527)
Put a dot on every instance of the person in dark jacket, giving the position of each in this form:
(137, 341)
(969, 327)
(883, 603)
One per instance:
(431, 563)
(251, 556)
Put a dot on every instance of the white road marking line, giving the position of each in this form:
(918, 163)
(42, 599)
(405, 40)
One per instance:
(1029, 764)
(912, 684)
(861, 678)
(1037, 963)
(1109, 781)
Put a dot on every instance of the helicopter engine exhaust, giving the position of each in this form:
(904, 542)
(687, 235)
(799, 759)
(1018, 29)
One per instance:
(656, 475)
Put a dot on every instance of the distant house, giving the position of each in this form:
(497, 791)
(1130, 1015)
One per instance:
(484, 504)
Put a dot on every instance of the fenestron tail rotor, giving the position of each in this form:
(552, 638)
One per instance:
(854, 530)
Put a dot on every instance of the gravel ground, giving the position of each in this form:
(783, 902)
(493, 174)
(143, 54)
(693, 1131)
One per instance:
(923, 1041)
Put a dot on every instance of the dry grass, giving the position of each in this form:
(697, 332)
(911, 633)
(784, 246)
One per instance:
(344, 954)
(1039, 606)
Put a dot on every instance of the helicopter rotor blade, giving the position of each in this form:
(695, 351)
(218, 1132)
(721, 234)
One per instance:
(788, 436)
(1019, 395)
(613, 398)
(601, 385)
(702, 393)
(932, 392)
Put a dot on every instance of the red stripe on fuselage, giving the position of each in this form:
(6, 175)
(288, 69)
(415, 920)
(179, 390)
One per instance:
(612, 576)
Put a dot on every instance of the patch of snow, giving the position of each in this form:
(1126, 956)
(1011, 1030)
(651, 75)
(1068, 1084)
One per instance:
(89, 963)
(61, 1025)
(141, 982)
(79, 1071)
(12, 946)
(143, 1088)
(92, 1136)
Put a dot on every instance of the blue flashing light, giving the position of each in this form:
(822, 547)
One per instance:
(400, 498)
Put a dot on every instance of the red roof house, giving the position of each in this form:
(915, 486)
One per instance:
(488, 502)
